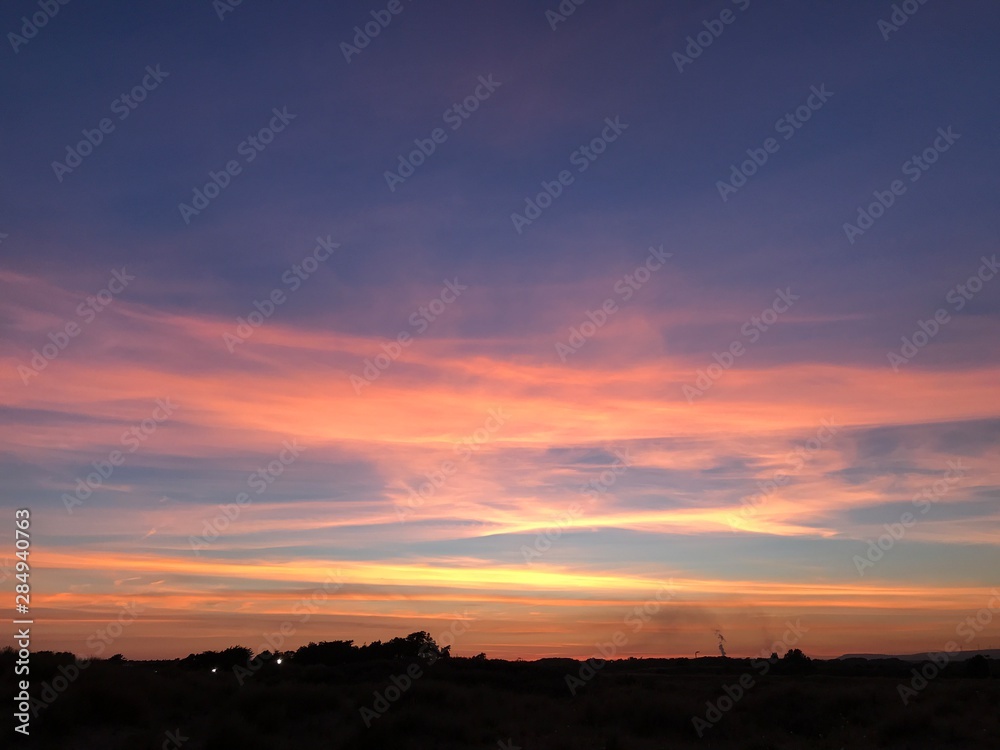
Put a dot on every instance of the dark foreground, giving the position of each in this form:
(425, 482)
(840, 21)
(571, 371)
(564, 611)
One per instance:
(453, 703)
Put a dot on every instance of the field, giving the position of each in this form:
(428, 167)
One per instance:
(458, 703)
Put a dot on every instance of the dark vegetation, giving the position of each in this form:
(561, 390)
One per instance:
(315, 696)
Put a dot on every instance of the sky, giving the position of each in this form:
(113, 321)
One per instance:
(518, 326)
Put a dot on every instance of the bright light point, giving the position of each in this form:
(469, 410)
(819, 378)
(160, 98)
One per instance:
(213, 670)
(279, 661)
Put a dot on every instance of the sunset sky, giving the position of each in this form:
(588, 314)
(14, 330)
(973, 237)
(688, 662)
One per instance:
(671, 374)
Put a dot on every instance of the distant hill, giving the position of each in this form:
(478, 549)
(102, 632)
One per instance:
(990, 653)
